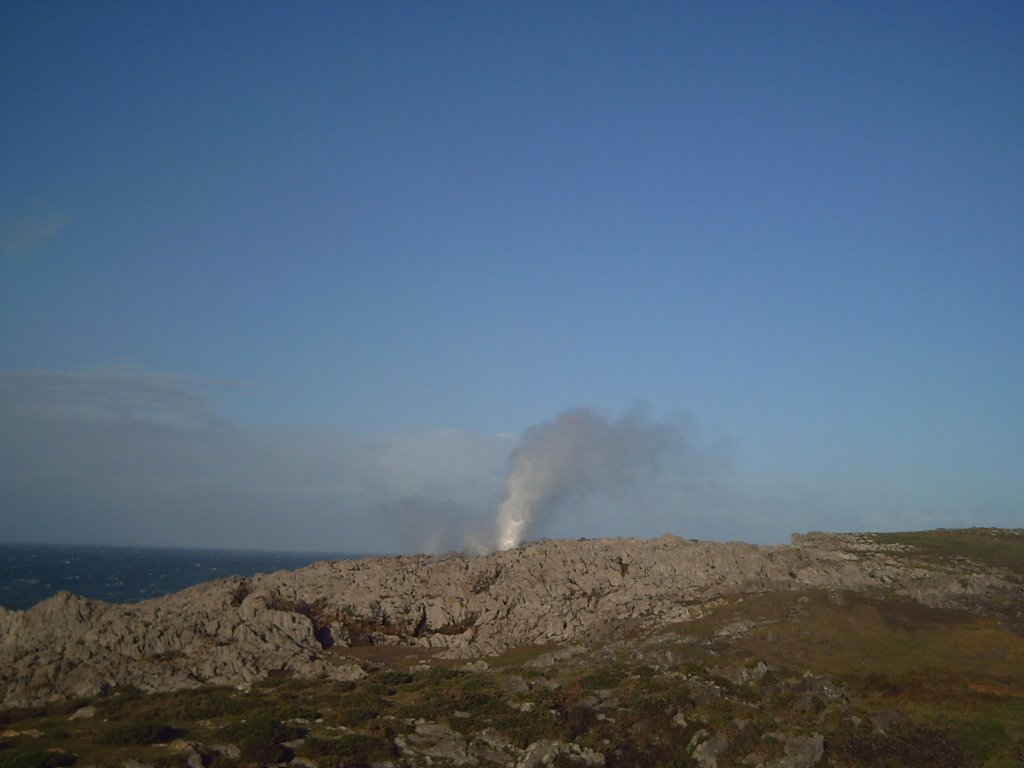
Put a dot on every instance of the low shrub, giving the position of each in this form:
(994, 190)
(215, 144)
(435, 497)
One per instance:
(443, 700)
(357, 708)
(580, 721)
(261, 739)
(605, 677)
(905, 744)
(181, 706)
(288, 710)
(39, 759)
(21, 713)
(524, 728)
(436, 675)
(204, 704)
(478, 683)
(142, 733)
(265, 730)
(348, 750)
(414, 710)
(981, 738)
(880, 684)
(123, 701)
(338, 687)
(392, 677)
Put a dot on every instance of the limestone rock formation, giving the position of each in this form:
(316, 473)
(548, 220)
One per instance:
(236, 630)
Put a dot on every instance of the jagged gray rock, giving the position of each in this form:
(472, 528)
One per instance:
(707, 748)
(542, 753)
(437, 740)
(234, 631)
(802, 752)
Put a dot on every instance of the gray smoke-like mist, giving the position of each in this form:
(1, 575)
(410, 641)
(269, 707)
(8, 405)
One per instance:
(581, 453)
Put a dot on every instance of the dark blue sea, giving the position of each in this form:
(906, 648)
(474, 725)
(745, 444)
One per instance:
(30, 573)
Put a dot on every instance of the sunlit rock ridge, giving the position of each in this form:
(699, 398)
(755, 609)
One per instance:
(237, 630)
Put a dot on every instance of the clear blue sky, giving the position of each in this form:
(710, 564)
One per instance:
(335, 231)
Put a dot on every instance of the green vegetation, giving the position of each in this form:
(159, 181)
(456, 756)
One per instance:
(348, 750)
(37, 759)
(604, 677)
(992, 547)
(357, 708)
(142, 733)
(615, 704)
(903, 744)
(393, 677)
(199, 704)
(261, 739)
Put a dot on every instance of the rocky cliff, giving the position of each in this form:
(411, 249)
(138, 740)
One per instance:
(235, 630)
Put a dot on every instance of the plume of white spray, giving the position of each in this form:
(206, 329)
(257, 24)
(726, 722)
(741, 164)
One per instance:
(581, 452)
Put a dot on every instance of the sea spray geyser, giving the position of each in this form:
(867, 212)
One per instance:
(581, 452)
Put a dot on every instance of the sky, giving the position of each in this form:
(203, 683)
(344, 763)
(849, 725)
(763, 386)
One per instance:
(302, 275)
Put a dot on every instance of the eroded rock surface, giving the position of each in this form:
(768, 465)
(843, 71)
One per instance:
(234, 631)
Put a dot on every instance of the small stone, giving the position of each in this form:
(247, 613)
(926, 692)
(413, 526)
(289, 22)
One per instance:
(516, 684)
(804, 751)
(435, 730)
(707, 752)
(229, 751)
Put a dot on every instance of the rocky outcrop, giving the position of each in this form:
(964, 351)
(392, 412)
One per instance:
(68, 646)
(235, 630)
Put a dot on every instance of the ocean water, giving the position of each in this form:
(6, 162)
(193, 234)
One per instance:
(30, 573)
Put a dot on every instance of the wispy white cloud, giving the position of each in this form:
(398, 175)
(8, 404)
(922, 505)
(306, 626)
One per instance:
(132, 456)
(22, 234)
(116, 395)
(126, 455)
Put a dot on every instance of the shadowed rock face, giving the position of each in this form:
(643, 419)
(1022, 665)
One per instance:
(234, 631)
